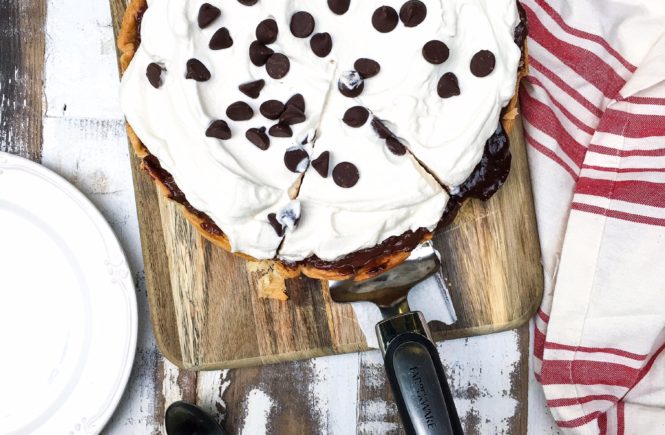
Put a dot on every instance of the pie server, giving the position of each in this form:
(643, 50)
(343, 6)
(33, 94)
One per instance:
(411, 360)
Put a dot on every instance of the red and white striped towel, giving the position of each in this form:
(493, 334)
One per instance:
(594, 115)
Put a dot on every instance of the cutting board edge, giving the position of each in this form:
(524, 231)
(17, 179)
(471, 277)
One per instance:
(267, 359)
(352, 348)
(476, 331)
(174, 355)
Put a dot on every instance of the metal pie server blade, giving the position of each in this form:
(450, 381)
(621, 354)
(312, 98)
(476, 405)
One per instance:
(390, 289)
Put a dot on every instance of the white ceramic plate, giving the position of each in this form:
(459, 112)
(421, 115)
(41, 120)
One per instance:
(68, 316)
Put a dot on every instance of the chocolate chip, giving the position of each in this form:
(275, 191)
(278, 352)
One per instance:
(259, 53)
(280, 130)
(322, 164)
(367, 68)
(346, 175)
(384, 19)
(435, 52)
(252, 89)
(296, 159)
(154, 74)
(321, 44)
(413, 13)
(340, 7)
(292, 115)
(279, 229)
(482, 63)
(278, 66)
(356, 116)
(221, 39)
(271, 109)
(266, 31)
(258, 137)
(248, 2)
(351, 84)
(448, 86)
(381, 129)
(395, 146)
(207, 14)
(302, 24)
(197, 71)
(239, 111)
(297, 100)
(219, 129)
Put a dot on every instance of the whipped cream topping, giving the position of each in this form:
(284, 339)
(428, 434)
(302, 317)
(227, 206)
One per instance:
(239, 184)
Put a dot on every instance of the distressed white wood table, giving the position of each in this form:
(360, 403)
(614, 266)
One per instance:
(59, 106)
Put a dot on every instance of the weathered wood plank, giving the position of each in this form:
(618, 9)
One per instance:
(176, 385)
(22, 42)
(210, 390)
(281, 392)
(519, 384)
(377, 412)
(148, 210)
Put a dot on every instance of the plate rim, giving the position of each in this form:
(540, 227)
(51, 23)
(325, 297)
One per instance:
(107, 234)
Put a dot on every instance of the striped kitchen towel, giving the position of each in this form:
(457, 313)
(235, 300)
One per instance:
(594, 115)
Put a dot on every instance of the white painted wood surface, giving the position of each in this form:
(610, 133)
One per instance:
(84, 140)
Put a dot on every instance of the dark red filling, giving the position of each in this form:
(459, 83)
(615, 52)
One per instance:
(492, 171)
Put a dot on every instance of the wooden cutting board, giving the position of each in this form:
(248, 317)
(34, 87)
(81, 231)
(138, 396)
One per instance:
(207, 312)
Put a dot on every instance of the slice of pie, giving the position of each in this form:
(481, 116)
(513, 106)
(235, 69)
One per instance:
(332, 136)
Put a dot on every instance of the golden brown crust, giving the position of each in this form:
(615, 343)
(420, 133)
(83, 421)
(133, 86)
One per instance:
(129, 37)
(511, 111)
(128, 41)
(375, 267)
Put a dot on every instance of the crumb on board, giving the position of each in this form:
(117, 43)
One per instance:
(270, 283)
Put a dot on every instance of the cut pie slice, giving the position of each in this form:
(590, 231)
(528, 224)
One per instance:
(357, 193)
(224, 145)
(445, 98)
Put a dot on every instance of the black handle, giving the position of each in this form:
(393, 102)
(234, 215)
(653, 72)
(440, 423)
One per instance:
(420, 387)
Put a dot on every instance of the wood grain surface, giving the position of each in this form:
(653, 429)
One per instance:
(206, 304)
(22, 76)
(344, 394)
